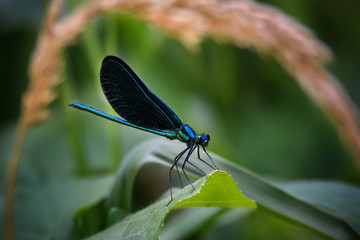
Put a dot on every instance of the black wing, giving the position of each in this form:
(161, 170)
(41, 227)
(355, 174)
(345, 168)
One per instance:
(132, 100)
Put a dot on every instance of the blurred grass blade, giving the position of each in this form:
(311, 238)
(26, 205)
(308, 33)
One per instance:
(336, 198)
(147, 223)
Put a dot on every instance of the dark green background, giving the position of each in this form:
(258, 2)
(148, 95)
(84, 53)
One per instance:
(254, 111)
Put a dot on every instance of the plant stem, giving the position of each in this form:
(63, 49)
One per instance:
(11, 179)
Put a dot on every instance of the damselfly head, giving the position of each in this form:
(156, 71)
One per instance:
(202, 139)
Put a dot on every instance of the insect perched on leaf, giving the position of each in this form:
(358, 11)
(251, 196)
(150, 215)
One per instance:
(142, 109)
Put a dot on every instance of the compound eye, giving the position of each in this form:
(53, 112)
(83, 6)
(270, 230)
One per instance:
(207, 137)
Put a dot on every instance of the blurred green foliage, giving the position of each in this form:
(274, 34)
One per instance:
(254, 111)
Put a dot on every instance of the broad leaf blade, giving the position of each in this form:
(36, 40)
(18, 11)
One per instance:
(147, 223)
(221, 191)
(267, 196)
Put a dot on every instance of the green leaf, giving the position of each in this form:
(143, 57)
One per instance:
(268, 196)
(217, 190)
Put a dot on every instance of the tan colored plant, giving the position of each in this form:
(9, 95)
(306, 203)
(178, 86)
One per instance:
(243, 23)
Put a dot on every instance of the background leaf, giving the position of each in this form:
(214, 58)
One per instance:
(336, 198)
(48, 191)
